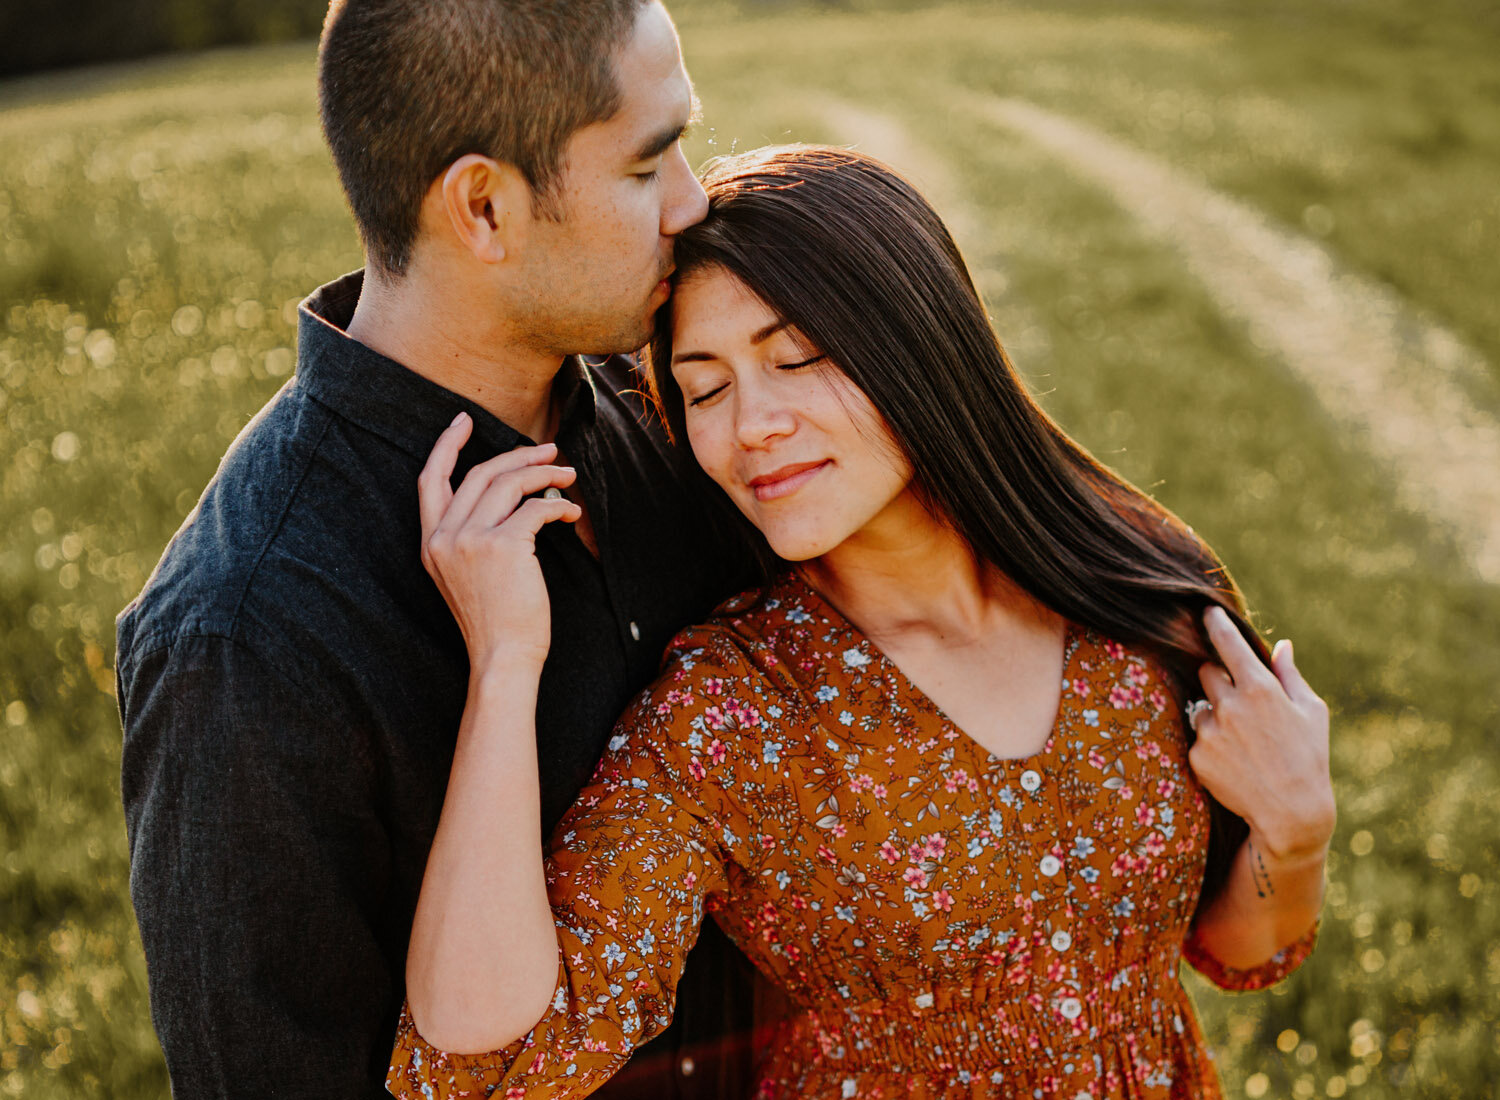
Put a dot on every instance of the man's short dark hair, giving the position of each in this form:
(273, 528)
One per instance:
(406, 87)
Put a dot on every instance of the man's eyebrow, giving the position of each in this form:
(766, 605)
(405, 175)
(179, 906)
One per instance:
(661, 142)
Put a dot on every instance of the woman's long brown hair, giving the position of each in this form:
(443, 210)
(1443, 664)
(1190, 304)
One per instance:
(842, 247)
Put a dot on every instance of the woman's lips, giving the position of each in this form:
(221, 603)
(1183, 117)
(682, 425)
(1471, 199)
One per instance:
(787, 480)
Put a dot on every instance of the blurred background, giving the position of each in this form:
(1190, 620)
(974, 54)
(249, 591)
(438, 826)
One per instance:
(1245, 251)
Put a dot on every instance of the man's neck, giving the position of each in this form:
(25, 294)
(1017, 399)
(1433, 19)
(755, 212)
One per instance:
(448, 339)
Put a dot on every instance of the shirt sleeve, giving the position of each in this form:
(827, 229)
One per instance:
(630, 870)
(257, 867)
(1267, 974)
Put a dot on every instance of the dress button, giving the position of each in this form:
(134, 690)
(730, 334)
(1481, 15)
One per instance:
(1071, 1008)
(1050, 865)
(687, 1066)
(1030, 780)
(1061, 941)
(635, 632)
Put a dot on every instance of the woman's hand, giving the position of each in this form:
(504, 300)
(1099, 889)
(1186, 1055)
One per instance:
(1263, 749)
(479, 545)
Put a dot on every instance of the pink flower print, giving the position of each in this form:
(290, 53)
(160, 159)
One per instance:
(942, 900)
(935, 846)
(889, 852)
(879, 790)
(1144, 814)
(1115, 650)
(663, 708)
(713, 686)
(766, 843)
(690, 879)
(1138, 675)
(914, 853)
(515, 1092)
(1096, 759)
(839, 830)
(1081, 688)
(1121, 865)
(716, 751)
(1056, 971)
(1119, 698)
(1166, 788)
(1158, 700)
(714, 716)
(696, 768)
(799, 902)
(1156, 844)
(916, 877)
(994, 956)
(861, 783)
(825, 852)
(1135, 695)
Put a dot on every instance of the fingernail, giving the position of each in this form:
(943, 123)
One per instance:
(457, 420)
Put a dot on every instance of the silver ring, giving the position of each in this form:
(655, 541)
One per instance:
(1196, 710)
(552, 493)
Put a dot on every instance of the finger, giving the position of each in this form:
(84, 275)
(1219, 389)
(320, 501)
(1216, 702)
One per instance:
(477, 480)
(434, 487)
(1285, 667)
(507, 490)
(536, 513)
(1217, 686)
(1242, 662)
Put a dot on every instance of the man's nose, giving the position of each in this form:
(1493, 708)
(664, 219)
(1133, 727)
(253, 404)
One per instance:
(687, 204)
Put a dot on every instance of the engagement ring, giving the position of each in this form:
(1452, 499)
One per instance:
(1196, 710)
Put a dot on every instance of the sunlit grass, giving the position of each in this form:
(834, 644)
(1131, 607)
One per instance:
(158, 225)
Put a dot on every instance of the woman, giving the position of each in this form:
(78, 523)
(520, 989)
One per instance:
(967, 881)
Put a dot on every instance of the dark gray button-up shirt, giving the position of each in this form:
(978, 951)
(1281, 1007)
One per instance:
(290, 685)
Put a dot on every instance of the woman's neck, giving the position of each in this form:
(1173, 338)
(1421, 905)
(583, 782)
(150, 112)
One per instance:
(906, 575)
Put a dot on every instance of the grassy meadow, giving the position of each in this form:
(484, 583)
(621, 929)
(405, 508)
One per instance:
(159, 223)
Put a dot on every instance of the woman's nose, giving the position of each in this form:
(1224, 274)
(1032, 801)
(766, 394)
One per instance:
(760, 417)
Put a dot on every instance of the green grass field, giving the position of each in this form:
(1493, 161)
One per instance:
(158, 224)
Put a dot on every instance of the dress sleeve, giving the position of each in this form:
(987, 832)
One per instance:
(629, 870)
(1268, 973)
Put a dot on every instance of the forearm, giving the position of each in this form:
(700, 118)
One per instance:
(1268, 901)
(482, 965)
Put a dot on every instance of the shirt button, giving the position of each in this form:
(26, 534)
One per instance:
(1030, 780)
(1071, 1008)
(635, 632)
(1050, 865)
(1061, 941)
(687, 1066)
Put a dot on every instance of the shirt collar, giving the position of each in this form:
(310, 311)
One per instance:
(395, 402)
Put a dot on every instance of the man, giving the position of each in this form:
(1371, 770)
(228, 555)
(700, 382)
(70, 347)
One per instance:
(290, 680)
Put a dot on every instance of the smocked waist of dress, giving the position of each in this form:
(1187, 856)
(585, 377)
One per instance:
(995, 1037)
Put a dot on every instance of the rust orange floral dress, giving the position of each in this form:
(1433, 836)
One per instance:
(947, 923)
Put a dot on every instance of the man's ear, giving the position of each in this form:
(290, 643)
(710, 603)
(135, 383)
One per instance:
(487, 203)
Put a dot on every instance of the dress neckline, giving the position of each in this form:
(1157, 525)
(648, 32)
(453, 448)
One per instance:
(1073, 637)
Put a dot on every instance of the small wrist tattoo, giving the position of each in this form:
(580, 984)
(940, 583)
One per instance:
(1259, 874)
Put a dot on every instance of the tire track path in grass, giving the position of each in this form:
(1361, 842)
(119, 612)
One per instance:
(1398, 382)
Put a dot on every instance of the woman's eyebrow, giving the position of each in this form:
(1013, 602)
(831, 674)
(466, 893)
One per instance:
(762, 335)
(693, 357)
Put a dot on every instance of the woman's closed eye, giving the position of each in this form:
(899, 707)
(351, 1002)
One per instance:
(803, 363)
(709, 395)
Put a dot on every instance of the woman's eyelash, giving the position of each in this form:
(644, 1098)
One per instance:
(783, 366)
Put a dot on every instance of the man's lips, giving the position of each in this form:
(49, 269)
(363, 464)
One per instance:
(786, 480)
